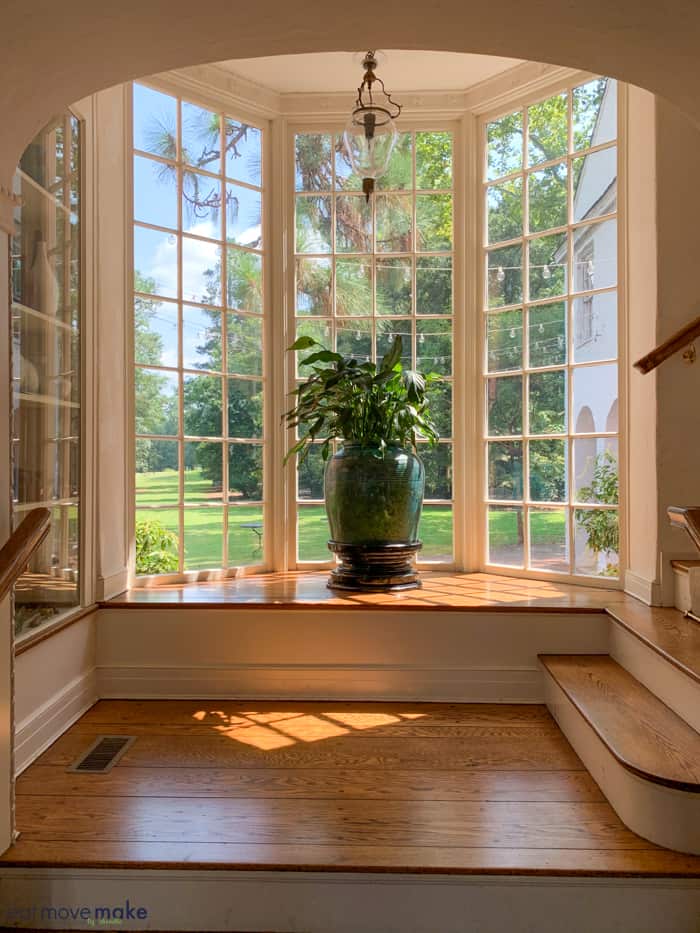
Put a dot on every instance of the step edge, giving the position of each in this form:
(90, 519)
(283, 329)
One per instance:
(688, 787)
(616, 614)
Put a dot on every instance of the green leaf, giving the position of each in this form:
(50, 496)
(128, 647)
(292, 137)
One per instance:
(392, 356)
(303, 343)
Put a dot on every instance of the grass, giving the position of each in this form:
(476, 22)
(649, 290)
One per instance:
(203, 530)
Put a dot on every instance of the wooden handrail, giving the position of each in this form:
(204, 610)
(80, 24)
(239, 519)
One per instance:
(22, 543)
(676, 342)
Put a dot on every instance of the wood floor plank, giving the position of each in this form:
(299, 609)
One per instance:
(278, 856)
(329, 822)
(357, 715)
(641, 732)
(523, 752)
(319, 784)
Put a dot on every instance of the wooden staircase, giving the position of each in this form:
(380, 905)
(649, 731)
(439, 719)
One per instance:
(633, 717)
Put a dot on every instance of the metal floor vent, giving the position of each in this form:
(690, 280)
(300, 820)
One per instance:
(103, 754)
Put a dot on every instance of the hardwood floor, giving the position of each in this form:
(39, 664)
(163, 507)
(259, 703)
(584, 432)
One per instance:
(328, 786)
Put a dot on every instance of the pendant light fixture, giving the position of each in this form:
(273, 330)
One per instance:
(370, 134)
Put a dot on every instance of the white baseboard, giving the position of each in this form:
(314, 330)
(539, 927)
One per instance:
(112, 585)
(324, 682)
(47, 723)
(647, 591)
(345, 902)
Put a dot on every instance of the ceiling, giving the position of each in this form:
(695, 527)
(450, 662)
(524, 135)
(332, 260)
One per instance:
(401, 70)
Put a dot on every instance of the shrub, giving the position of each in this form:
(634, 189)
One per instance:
(156, 547)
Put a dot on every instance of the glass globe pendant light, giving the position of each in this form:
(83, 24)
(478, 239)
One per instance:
(370, 133)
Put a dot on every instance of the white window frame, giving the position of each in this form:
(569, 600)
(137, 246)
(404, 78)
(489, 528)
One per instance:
(465, 114)
(507, 105)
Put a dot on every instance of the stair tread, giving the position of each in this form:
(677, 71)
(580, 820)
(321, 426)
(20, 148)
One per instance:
(667, 631)
(641, 732)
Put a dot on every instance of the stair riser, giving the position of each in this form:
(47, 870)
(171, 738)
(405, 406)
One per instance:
(670, 684)
(664, 816)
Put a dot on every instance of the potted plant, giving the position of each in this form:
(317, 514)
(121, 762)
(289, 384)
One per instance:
(374, 482)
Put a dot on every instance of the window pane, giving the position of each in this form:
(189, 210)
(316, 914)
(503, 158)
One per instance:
(243, 216)
(434, 347)
(595, 327)
(243, 152)
(203, 472)
(549, 540)
(548, 131)
(394, 286)
(434, 222)
(313, 224)
(597, 542)
(157, 477)
(387, 330)
(202, 200)
(313, 170)
(157, 541)
(400, 171)
(353, 287)
(156, 401)
(595, 188)
(504, 210)
(244, 345)
(504, 146)
(435, 531)
(155, 262)
(312, 533)
(201, 339)
(245, 536)
(155, 193)
(505, 405)
(245, 472)
(155, 332)
(201, 137)
(505, 470)
(504, 341)
(547, 404)
(353, 224)
(394, 219)
(437, 462)
(345, 178)
(596, 470)
(595, 398)
(547, 334)
(548, 471)
(245, 408)
(202, 405)
(434, 285)
(201, 271)
(548, 266)
(204, 532)
(505, 535)
(354, 338)
(548, 198)
(440, 398)
(505, 276)
(244, 272)
(433, 160)
(155, 122)
(595, 256)
(310, 473)
(313, 286)
(595, 113)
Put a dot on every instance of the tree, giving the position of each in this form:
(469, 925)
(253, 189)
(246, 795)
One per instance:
(601, 525)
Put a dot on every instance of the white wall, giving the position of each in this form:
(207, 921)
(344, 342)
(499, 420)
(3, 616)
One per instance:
(55, 683)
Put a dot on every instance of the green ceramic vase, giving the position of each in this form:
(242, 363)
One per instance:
(374, 497)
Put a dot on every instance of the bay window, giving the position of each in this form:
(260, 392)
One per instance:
(536, 446)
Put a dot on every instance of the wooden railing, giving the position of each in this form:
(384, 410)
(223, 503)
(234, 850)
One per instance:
(686, 335)
(14, 556)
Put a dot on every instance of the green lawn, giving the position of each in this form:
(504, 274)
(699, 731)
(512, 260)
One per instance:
(203, 533)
